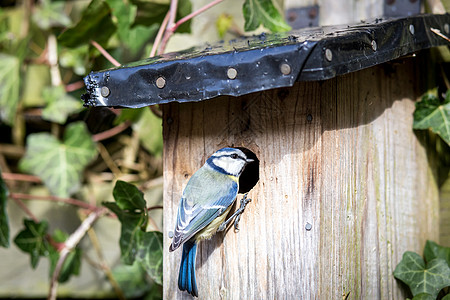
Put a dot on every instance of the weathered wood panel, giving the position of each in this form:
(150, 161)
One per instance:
(339, 155)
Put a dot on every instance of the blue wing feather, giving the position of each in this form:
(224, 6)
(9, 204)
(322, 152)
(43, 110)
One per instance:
(207, 195)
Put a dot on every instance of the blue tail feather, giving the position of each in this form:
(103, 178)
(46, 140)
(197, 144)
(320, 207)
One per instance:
(186, 277)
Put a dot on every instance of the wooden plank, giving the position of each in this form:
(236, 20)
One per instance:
(339, 155)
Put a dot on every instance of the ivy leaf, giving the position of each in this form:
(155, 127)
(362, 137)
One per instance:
(150, 12)
(423, 296)
(263, 12)
(150, 254)
(4, 222)
(427, 278)
(130, 208)
(72, 263)
(132, 280)
(59, 164)
(32, 240)
(433, 250)
(95, 23)
(433, 114)
(9, 87)
(149, 131)
(50, 14)
(59, 104)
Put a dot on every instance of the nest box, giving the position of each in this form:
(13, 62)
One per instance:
(341, 186)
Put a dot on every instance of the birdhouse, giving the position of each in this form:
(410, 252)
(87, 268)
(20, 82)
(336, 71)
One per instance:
(340, 185)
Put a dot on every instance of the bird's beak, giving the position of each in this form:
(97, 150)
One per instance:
(249, 160)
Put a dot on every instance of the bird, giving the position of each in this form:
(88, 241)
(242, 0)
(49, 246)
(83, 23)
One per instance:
(204, 205)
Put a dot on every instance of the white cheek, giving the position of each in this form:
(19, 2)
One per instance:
(230, 165)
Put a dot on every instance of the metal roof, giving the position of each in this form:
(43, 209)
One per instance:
(262, 62)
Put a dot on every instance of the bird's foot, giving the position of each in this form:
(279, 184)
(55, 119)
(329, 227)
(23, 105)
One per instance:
(237, 215)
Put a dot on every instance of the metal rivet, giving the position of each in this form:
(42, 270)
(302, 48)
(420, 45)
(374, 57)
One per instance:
(328, 55)
(232, 73)
(308, 226)
(285, 69)
(170, 234)
(160, 82)
(104, 91)
(411, 28)
(446, 28)
(374, 45)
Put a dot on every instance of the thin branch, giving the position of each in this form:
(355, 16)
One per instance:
(172, 27)
(105, 54)
(160, 34)
(173, 12)
(156, 111)
(154, 207)
(25, 209)
(21, 177)
(108, 160)
(74, 86)
(69, 245)
(70, 201)
(438, 32)
(111, 132)
(195, 13)
(52, 53)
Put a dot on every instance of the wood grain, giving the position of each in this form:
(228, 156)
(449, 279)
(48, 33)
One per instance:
(339, 155)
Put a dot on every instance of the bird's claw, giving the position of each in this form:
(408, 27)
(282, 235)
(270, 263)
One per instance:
(237, 215)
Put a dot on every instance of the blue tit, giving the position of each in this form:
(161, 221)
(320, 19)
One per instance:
(204, 205)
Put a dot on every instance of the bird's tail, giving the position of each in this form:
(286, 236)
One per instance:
(186, 277)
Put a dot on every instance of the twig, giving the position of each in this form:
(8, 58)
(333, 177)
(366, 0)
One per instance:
(438, 32)
(103, 265)
(25, 209)
(108, 160)
(173, 12)
(172, 27)
(74, 86)
(160, 34)
(69, 245)
(52, 53)
(70, 201)
(105, 53)
(154, 207)
(21, 177)
(156, 111)
(111, 132)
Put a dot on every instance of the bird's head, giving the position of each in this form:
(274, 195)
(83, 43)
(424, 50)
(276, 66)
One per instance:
(230, 161)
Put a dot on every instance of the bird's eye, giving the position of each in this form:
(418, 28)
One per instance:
(234, 156)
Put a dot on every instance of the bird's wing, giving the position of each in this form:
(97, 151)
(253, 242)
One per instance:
(207, 195)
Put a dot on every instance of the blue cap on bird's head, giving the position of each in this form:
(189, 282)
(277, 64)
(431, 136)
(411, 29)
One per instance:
(230, 161)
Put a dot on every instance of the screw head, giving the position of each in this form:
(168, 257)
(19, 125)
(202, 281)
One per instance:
(285, 69)
(411, 28)
(308, 226)
(328, 55)
(374, 45)
(160, 82)
(104, 91)
(232, 73)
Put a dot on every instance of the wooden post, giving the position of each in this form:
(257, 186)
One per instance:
(345, 188)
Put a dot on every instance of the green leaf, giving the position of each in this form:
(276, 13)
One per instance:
(433, 250)
(431, 113)
(131, 231)
(4, 222)
(75, 58)
(32, 240)
(423, 296)
(71, 265)
(9, 87)
(129, 197)
(60, 105)
(263, 12)
(421, 278)
(150, 12)
(59, 165)
(95, 24)
(150, 254)
(129, 114)
(132, 280)
(50, 14)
